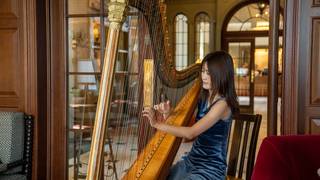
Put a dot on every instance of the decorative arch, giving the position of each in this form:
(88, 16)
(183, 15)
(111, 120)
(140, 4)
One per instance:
(202, 12)
(244, 32)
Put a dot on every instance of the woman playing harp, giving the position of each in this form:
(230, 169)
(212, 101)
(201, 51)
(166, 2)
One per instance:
(216, 105)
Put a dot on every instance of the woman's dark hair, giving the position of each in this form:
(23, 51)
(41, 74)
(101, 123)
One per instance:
(220, 67)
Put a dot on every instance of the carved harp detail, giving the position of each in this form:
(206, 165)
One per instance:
(148, 86)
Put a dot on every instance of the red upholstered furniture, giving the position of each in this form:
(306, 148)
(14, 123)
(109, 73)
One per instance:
(288, 157)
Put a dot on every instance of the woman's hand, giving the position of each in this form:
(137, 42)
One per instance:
(154, 114)
(150, 114)
(163, 108)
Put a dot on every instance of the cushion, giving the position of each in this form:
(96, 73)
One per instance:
(3, 167)
(288, 157)
(11, 136)
(13, 177)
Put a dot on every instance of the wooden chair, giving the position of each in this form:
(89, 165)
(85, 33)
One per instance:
(242, 145)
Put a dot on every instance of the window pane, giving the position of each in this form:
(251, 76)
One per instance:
(202, 35)
(84, 44)
(253, 17)
(178, 50)
(240, 53)
(85, 36)
(178, 37)
(181, 41)
(83, 6)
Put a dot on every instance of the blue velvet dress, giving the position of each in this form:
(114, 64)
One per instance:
(207, 158)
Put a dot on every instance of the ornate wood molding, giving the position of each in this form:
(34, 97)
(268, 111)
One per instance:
(316, 3)
(289, 124)
(315, 69)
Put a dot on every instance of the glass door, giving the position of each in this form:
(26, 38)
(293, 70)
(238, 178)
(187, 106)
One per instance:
(242, 52)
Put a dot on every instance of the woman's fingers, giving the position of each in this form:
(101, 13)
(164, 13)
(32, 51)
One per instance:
(148, 116)
(163, 108)
(156, 107)
(148, 113)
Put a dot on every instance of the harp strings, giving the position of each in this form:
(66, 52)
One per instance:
(153, 11)
(125, 131)
(130, 128)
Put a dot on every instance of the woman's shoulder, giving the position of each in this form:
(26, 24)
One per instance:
(219, 100)
(222, 102)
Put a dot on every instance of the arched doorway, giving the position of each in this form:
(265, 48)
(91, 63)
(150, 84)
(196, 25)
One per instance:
(245, 37)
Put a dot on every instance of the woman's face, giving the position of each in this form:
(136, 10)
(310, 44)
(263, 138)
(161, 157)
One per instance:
(205, 76)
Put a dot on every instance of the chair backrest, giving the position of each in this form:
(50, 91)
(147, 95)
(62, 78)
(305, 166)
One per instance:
(11, 136)
(242, 144)
(291, 157)
(28, 141)
(16, 141)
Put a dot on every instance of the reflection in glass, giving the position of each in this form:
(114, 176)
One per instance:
(84, 44)
(240, 52)
(261, 66)
(84, 7)
(84, 59)
(83, 96)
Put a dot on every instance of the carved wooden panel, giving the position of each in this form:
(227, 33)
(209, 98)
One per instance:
(11, 55)
(9, 7)
(315, 63)
(315, 125)
(9, 79)
(316, 2)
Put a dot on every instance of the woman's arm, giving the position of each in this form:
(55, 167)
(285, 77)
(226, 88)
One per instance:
(218, 111)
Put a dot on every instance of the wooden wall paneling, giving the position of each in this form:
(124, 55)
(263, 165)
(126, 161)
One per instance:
(273, 67)
(315, 63)
(42, 34)
(289, 123)
(308, 65)
(312, 108)
(18, 62)
(58, 86)
(12, 59)
(30, 77)
(316, 3)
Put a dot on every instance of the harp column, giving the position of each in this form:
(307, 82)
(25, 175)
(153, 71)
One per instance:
(116, 15)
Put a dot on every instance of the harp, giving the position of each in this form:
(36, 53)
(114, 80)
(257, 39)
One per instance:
(137, 151)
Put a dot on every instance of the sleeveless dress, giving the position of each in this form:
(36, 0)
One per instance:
(207, 158)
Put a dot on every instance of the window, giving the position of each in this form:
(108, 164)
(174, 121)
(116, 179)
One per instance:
(202, 35)
(181, 41)
(254, 17)
(87, 27)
